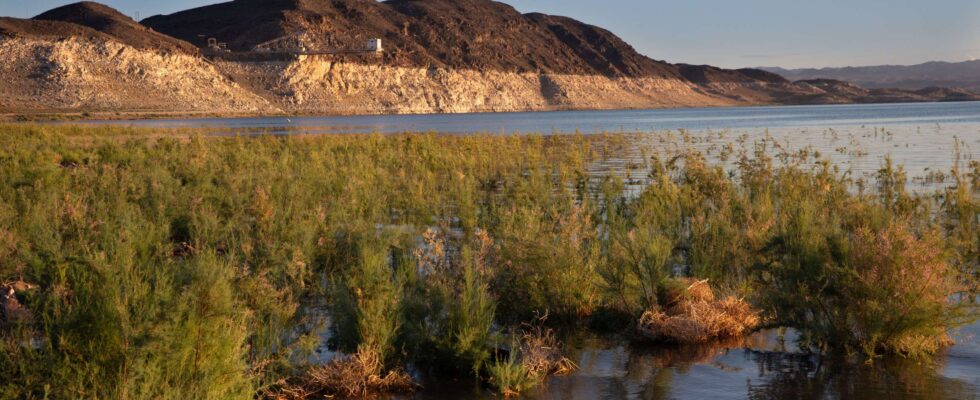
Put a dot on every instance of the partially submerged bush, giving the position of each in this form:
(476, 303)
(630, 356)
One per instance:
(691, 314)
(902, 295)
(875, 290)
(547, 257)
(534, 356)
(449, 312)
(367, 298)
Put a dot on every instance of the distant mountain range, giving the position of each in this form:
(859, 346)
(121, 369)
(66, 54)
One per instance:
(964, 74)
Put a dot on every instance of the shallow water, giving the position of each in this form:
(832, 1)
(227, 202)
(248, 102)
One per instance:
(925, 153)
(919, 136)
(856, 138)
(765, 365)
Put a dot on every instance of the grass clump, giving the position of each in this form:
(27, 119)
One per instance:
(509, 377)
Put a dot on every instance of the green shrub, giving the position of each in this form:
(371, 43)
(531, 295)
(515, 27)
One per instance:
(509, 377)
(450, 311)
(366, 301)
(547, 258)
(851, 286)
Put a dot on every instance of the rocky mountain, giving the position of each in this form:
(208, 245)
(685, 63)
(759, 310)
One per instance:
(439, 56)
(964, 74)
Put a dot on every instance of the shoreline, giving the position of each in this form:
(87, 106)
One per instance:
(82, 116)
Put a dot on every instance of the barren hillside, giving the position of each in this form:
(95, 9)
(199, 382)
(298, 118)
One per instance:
(440, 56)
(459, 34)
(53, 66)
(113, 23)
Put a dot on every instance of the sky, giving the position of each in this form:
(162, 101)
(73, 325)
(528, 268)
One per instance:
(732, 33)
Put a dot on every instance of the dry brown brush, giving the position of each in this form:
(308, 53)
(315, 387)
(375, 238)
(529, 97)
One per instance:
(692, 314)
(358, 375)
(541, 353)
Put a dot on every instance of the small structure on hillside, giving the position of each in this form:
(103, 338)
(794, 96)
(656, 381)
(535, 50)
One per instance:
(215, 45)
(374, 45)
(300, 45)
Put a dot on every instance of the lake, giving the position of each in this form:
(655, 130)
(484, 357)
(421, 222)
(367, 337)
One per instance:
(913, 114)
(922, 137)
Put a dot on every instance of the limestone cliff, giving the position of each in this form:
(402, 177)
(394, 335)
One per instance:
(317, 85)
(94, 74)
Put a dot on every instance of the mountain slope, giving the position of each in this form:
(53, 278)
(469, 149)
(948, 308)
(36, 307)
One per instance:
(460, 34)
(19, 28)
(113, 23)
(964, 74)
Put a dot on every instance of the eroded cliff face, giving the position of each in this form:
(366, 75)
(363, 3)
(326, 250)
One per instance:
(318, 85)
(98, 74)
(91, 74)
(94, 74)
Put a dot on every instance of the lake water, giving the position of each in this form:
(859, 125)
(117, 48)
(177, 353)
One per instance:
(924, 115)
(922, 137)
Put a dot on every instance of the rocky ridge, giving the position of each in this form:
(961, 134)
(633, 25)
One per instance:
(964, 74)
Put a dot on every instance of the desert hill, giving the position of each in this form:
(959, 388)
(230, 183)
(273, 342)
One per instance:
(439, 56)
(458, 34)
(113, 23)
(22, 28)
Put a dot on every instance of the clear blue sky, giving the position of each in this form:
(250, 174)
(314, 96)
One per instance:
(733, 33)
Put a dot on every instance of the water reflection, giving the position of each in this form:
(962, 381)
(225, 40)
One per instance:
(805, 377)
(762, 366)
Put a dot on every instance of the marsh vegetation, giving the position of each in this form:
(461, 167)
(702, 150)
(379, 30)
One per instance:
(142, 264)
